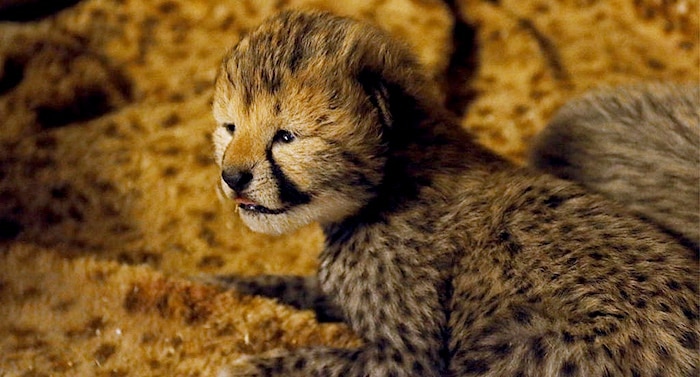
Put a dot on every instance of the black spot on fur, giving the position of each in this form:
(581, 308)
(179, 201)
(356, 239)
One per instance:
(295, 59)
(567, 337)
(604, 331)
(278, 108)
(554, 201)
(596, 256)
(571, 262)
(503, 349)
(608, 352)
(568, 369)
(538, 349)
(635, 342)
(397, 357)
(418, 368)
(567, 228)
(509, 242)
(689, 340)
(488, 331)
(521, 315)
(322, 119)
(300, 363)
(475, 366)
(640, 277)
(691, 314)
(663, 352)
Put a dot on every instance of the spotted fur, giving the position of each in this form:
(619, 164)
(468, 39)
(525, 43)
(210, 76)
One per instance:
(445, 259)
(639, 145)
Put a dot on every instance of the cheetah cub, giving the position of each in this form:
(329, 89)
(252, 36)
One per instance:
(445, 259)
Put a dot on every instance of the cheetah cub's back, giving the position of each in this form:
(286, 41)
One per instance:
(638, 145)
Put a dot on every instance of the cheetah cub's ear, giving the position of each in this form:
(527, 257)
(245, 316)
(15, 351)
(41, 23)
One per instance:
(308, 106)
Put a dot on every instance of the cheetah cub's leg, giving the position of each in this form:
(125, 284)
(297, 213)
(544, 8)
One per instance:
(301, 292)
(402, 329)
(281, 363)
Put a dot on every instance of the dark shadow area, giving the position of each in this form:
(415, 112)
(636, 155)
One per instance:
(11, 75)
(31, 10)
(9, 229)
(87, 104)
(66, 83)
(463, 65)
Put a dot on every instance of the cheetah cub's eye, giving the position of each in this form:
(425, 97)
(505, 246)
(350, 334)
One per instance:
(230, 127)
(284, 136)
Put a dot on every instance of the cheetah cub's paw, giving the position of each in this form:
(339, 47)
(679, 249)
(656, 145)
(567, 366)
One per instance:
(243, 366)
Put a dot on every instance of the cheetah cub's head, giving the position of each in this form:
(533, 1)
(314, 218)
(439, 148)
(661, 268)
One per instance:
(304, 106)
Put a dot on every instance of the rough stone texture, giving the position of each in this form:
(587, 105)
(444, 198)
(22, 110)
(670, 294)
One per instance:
(107, 188)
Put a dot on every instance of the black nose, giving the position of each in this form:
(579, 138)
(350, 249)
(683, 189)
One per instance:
(237, 180)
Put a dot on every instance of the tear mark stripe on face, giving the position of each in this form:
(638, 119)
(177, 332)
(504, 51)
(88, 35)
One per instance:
(289, 193)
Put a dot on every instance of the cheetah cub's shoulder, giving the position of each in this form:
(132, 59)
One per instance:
(445, 259)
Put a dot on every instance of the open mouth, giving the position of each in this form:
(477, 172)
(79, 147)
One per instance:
(261, 209)
(250, 206)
